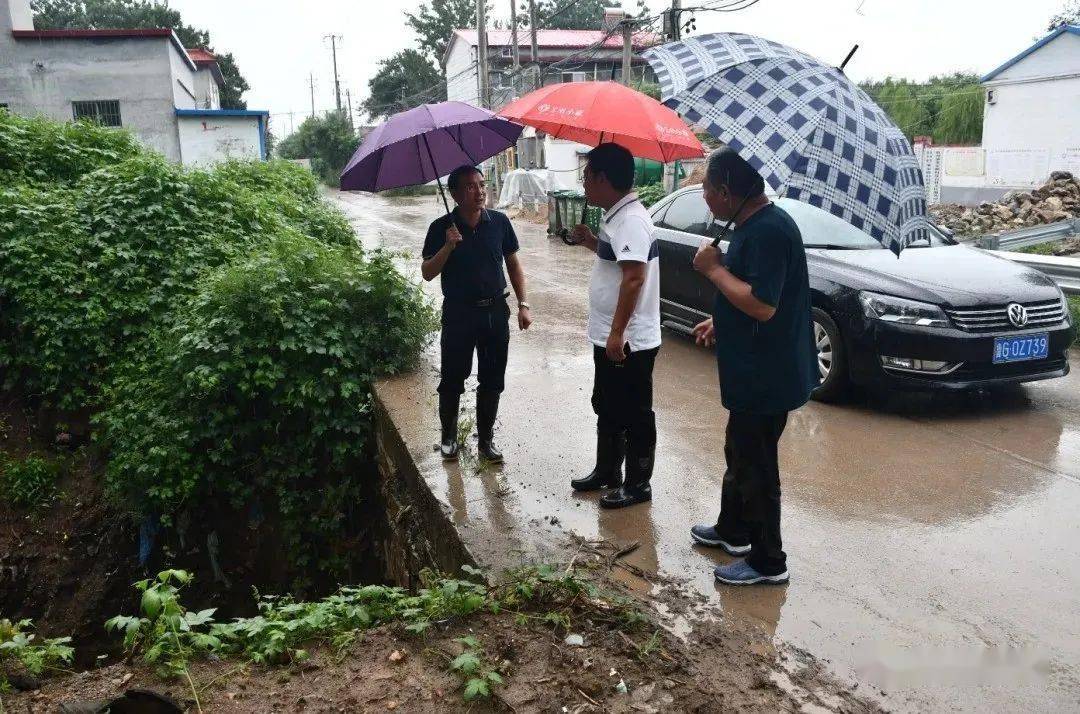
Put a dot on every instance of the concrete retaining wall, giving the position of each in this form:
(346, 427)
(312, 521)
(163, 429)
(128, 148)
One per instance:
(418, 533)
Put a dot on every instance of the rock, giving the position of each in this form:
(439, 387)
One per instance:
(574, 641)
(1061, 176)
(1053, 203)
(397, 656)
(1025, 210)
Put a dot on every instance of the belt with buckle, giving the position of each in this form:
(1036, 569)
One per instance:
(488, 302)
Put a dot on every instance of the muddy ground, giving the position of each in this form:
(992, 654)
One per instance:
(720, 668)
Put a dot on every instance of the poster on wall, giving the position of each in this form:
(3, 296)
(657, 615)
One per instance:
(1017, 167)
(969, 161)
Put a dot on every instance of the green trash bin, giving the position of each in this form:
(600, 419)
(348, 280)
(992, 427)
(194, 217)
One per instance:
(564, 211)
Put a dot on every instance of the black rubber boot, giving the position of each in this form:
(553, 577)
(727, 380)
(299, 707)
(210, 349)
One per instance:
(448, 415)
(610, 452)
(487, 409)
(636, 488)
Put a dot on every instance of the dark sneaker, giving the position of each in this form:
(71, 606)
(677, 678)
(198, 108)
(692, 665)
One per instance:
(707, 535)
(740, 573)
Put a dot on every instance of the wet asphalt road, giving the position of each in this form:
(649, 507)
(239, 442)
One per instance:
(932, 540)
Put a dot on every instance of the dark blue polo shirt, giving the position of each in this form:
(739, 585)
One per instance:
(474, 271)
(767, 367)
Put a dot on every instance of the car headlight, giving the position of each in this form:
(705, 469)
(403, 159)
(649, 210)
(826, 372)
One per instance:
(906, 312)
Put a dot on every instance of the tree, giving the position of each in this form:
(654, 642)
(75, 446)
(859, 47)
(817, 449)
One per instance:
(1069, 15)
(329, 142)
(899, 100)
(403, 81)
(121, 14)
(565, 14)
(434, 23)
(948, 108)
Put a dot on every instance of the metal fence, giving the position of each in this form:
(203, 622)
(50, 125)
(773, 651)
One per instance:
(1063, 271)
(1027, 237)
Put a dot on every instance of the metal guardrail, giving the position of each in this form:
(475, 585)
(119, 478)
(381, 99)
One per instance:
(1027, 237)
(1063, 271)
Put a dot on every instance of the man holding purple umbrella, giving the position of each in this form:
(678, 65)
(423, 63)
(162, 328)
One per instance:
(468, 248)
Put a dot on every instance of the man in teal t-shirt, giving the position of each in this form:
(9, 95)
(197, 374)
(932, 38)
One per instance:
(765, 354)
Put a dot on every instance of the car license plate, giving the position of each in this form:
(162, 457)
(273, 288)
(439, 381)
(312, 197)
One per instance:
(1019, 349)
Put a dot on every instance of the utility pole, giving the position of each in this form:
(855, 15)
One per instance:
(482, 49)
(535, 47)
(513, 35)
(674, 30)
(348, 97)
(337, 85)
(627, 34)
(311, 84)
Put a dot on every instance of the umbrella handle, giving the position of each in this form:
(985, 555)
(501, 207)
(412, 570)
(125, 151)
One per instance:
(436, 171)
(727, 226)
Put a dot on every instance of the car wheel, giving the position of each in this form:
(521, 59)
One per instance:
(831, 360)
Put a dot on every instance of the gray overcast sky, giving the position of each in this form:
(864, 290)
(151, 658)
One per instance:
(277, 43)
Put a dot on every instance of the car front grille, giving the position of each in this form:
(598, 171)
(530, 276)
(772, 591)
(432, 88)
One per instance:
(1040, 314)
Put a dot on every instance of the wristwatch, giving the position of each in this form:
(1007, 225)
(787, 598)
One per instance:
(524, 305)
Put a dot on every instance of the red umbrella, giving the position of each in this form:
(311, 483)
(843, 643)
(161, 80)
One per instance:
(596, 112)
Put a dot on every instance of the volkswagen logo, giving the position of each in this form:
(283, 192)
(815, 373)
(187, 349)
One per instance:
(1017, 314)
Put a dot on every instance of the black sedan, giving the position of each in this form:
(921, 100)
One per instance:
(941, 316)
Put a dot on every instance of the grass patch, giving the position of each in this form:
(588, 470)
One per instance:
(168, 636)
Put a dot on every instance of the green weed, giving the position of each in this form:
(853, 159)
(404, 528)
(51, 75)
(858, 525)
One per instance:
(17, 643)
(30, 481)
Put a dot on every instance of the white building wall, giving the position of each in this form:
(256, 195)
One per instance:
(1033, 125)
(44, 77)
(462, 77)
(184, 83)
(206, 140)
(207, 93)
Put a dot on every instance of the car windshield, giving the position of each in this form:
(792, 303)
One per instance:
(821, 229)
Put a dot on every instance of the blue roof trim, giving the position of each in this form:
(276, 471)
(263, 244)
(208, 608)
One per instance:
(1071, 29)
(222, 112)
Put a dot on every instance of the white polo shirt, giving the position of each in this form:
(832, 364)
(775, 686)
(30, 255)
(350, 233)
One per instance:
(626, 234)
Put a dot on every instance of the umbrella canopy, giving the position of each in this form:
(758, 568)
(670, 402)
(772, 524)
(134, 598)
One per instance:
(596, 112)
(810, 131)
(419, 145)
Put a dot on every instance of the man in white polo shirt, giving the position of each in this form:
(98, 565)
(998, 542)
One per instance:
(624, 328)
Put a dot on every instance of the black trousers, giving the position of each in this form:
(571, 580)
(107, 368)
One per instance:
(466, 328)
(622, 398)
(750, 499)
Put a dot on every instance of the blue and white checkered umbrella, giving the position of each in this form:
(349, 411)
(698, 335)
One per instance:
(808, 129)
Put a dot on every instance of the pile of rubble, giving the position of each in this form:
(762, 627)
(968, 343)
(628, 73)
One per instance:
(1056, 200)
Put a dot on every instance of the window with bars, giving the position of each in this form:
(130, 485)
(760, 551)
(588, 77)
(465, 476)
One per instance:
(104, 112)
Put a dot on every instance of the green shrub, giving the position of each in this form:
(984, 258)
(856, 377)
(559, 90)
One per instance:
(30, 481)
(92, 268)
(263, 381)
(41, 150)
(224, 325)
(650, 193)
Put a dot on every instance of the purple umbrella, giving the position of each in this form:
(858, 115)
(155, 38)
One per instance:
(421, 144)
